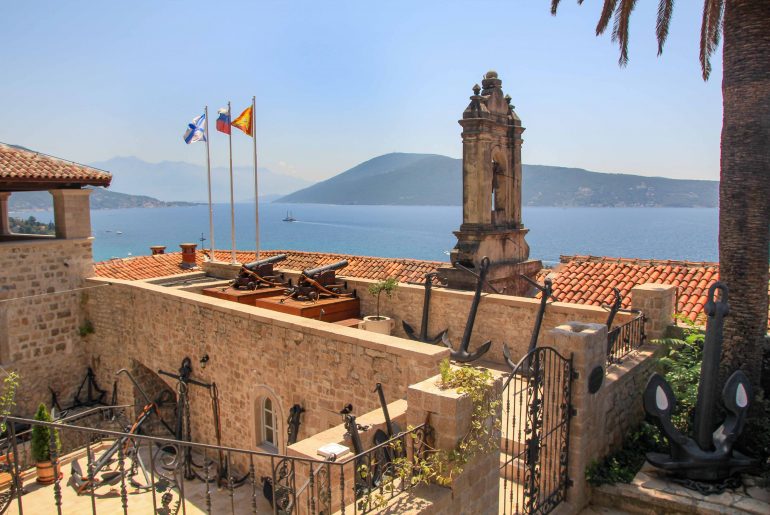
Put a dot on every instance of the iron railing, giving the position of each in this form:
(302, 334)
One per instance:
(624, 339)
(152, 473)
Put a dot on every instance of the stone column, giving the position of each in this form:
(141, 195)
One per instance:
(588, 345)
(5, 227)
(476, 489)
(72, 213)
(658, 303)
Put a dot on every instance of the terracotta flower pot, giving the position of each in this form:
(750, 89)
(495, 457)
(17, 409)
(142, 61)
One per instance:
(45, 473)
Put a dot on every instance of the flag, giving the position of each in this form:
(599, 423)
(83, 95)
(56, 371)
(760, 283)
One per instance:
(196, 130)
(243, 122)
(223, 122)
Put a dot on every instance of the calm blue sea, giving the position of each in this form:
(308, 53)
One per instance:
(408, 231)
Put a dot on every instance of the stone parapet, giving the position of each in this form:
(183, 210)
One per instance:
(658, 303)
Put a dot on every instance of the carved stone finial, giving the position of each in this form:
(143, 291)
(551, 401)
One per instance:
(491, 74)
(476, 89)
(508, 99)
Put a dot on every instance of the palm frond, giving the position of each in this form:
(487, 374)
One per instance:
(620, 28)
(710, 32)
(665, 8)
(604, 18)
(554, 6)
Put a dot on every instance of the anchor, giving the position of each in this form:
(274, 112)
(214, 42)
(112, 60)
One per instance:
(462, 355)
(293, 423)
(423, 337)
(547, 293)
(616, 305)
(391, 429)
(710, 456)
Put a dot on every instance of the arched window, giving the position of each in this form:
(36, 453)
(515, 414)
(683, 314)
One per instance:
(269, 425)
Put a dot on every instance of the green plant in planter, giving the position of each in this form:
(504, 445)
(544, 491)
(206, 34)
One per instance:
(388, 286)
(8, 397)
(41, 436)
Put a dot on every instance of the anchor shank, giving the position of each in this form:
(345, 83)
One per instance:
(425, 308)
(707, 386)
(474, 305)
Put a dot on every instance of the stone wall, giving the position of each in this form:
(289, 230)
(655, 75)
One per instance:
(500, 318)
(252, 353)
(40, 317)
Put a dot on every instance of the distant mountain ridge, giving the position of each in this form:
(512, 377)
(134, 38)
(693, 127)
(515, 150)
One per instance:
(100, 199)
(431, 179)
(180, 181)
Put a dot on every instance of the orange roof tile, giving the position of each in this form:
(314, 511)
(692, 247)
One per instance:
(377, 268)
(586, 279)
(19, 165)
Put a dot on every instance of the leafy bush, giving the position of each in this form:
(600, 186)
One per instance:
(41, 436)
(621, 466)
(388, 286)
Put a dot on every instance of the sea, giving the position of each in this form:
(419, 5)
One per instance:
(419, 232)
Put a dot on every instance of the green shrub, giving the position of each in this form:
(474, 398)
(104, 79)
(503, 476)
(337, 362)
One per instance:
(41, 436)
(388, 286)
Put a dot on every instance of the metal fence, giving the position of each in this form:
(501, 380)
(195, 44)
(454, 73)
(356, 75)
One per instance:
(106, 470)
(624, 339)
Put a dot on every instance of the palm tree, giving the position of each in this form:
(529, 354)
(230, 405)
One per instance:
(744, 188)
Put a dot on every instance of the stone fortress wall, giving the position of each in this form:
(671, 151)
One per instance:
(41, 319)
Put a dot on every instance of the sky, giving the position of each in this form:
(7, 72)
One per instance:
(337, 83)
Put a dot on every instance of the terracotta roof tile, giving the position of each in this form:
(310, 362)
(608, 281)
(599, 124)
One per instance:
(586, 280)
(160, 265)
(21, 165)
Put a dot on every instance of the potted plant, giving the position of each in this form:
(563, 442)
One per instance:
(41, 450)
(378, 323)
(7, 402)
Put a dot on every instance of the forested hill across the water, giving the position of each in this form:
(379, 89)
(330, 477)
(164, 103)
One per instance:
(429, 179)
(100, 199)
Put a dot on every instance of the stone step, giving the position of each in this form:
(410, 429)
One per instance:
(511, 468)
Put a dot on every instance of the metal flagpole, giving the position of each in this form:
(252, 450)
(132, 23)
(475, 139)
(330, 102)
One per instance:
(208, 167)
(232, 194)
(256, 182)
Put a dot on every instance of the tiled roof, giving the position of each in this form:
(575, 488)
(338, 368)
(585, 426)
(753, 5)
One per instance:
(590, 279)
(159, 265)
(19, 165)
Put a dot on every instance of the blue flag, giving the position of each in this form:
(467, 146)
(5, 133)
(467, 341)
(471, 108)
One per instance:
(196, 130)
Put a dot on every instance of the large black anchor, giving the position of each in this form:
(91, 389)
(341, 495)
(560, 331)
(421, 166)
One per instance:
(614, 308)
(710, 457)
(546, 289)
(462, 355)
(423, 337)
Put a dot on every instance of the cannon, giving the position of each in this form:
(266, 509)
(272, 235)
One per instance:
(259, 273)
(320, 282)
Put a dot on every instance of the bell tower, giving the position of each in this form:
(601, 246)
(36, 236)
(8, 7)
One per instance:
(492, 223)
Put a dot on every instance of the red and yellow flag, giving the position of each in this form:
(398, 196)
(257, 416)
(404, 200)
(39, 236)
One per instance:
(243, 122)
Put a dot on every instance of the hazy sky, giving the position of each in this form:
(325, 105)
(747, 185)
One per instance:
(341, 82)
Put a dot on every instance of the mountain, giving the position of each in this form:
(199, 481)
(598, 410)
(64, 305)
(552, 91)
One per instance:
(430, 179)
(175, 180)
(100, 199)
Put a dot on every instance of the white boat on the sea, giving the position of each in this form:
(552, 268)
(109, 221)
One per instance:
(289, 218)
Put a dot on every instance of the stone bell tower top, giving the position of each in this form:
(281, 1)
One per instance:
(492, 224)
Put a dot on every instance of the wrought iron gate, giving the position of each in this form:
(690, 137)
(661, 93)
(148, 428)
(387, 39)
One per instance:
(535, 433)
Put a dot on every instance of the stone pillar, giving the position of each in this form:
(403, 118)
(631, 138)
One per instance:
(476, 490)
(658, 303)
(5, 227)
(588, 345)
(72, 213)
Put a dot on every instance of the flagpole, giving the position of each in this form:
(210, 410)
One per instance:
(232, 194)
(208, 169)
(256, 182)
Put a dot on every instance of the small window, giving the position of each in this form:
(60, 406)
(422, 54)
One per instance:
(269, 423)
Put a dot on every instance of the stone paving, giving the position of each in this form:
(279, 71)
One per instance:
(652, 492)
(39, 499)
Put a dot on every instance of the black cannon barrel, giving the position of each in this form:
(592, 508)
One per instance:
(321, 269)
(275, 259)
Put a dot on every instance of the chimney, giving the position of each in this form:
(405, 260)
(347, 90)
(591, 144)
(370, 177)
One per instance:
(188, 255)
(158, 249)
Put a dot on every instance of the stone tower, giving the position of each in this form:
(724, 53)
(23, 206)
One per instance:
(492, 224)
